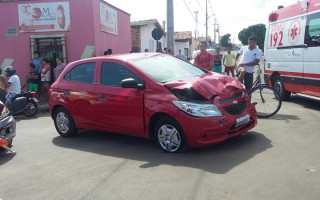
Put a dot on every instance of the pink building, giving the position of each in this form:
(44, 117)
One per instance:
(72, 29)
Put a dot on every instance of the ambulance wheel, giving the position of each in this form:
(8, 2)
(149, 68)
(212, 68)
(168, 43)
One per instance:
(279, 86)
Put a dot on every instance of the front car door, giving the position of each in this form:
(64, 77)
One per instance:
(118, 109)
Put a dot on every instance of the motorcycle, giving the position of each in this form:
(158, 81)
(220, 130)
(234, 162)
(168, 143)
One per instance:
(32, 107)
(7, 122)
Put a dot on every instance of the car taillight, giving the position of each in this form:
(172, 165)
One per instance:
(3, 142)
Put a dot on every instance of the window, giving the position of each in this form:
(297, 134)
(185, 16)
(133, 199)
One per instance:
(112, 74)
(312, 29)
(82, 73)
(13, 31)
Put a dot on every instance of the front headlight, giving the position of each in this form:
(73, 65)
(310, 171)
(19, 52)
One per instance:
(198, 110)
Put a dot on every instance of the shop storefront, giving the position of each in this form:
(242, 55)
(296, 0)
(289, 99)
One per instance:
(71, 30)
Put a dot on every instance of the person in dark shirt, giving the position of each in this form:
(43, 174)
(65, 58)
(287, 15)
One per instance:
(217, 62)
(32, 79)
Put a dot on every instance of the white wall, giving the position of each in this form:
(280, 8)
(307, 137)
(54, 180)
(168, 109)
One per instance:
(147, 39)
(181, 45)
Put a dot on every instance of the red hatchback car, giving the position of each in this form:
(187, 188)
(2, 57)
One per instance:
(150, 95)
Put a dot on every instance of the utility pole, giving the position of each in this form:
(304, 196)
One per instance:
(219, 35)
(170, 25)
(196, 33)
(214, 31)
(207, 22)
(164, 25)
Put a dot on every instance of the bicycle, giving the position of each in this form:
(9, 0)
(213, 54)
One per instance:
(266, 99)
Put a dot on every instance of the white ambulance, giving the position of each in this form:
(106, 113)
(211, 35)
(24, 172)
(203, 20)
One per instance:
(292, 49)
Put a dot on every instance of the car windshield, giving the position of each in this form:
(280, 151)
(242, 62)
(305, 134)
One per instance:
(164, 68)
(195, 53)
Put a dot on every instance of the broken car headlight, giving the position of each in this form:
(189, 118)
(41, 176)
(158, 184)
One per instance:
(198, 110)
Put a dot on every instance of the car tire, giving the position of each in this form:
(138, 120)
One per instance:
(170, 136)
(279, 86)
(64, 123)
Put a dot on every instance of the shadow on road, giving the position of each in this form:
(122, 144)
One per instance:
(24, 118)
(5, 156)
(215, 159)
(286, 118)
(305, 102)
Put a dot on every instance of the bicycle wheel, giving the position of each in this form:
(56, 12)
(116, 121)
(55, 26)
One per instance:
(267, 101)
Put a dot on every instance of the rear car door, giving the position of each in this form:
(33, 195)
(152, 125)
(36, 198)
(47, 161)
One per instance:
(118, 109)
(77, 92)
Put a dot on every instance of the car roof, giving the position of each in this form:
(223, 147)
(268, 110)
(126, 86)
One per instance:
(123, 57)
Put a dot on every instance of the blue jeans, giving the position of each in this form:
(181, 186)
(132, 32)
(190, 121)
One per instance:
(217, 68)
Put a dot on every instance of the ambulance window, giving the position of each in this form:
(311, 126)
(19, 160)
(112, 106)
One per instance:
(312, 30)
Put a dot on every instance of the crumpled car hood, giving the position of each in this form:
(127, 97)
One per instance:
(208, 85)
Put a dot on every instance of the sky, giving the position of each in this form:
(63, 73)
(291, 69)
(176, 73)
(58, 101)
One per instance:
(231, 15)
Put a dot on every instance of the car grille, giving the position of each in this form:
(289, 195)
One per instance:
(235, 97)
(236, 109)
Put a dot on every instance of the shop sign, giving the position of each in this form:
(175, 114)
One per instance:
(108, 19)
(44, 17)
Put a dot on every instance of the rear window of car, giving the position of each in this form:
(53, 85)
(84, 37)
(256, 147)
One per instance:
(83, 73)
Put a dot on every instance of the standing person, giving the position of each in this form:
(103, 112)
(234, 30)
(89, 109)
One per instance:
(170, 52)
(13, 85)
(37, 60)
(180, 55)
(3, 83)
(250, 56)
(45, 77)
(217, 61)
(204, 60)
(109, 51)
(60, 67)
(31, 79)
(228, 62)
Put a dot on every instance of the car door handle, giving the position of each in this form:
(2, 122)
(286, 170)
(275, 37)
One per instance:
(100, 96)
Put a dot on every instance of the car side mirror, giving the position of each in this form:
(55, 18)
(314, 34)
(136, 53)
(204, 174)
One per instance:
(131, 83)
(18, 105)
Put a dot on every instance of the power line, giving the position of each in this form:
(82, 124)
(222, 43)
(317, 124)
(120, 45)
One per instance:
(189, 9)
(191, 12)
(200, 6)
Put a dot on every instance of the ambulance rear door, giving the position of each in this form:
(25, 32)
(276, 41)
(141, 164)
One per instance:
(312, 53)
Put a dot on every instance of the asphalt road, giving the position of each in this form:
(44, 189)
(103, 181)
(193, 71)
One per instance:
(278, 159)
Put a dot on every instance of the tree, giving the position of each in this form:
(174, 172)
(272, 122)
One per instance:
(225, 40)
(258, 30)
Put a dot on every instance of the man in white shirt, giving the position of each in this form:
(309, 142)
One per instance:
(13, 84)
(180, 55)
(250, 56)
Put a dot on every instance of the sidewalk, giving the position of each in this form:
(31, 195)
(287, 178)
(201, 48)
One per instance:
(43, 106)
